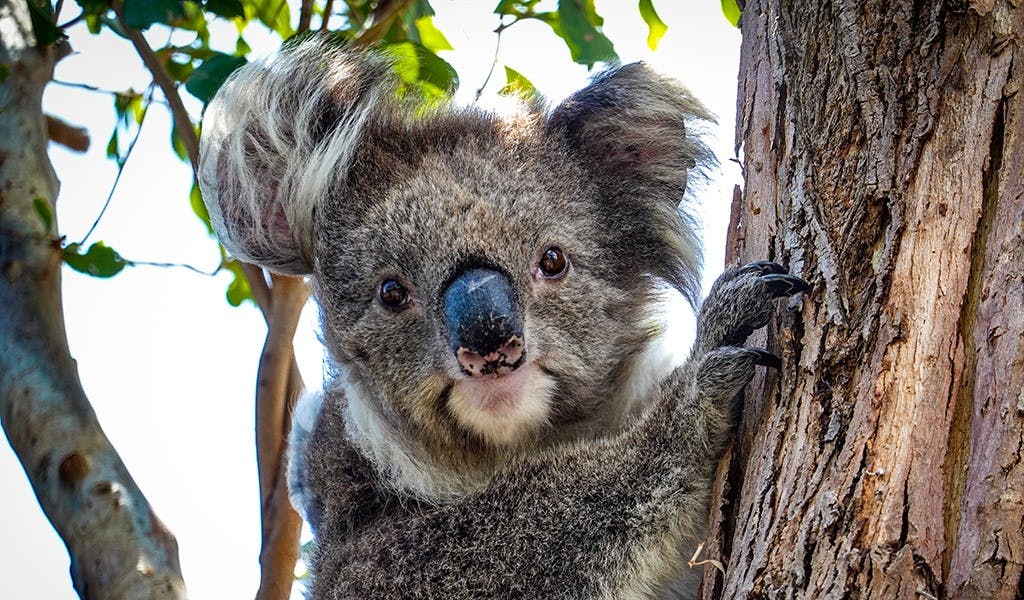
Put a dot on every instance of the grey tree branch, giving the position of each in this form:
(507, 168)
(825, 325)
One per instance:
(117, 545)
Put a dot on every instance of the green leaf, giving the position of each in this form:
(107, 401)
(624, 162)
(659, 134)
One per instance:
(4, 73)
(275, 15)
(238, 290)
(177, 70)
(586, 43)
(99, 261)
(430, 36)
(44, 27)
(42, 208)
(242, 47)
(517, 85)
(94, 7)
(140, 14)
(418, 65)
(112, 149)
(204, 82)
(732, 12)
(518, 8)
(655, 26)
(177, 145)
(229, 9)
(195, 199)
(94, 23)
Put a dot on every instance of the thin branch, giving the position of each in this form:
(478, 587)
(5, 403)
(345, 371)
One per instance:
(171, 265)
(380, 21)
(121, 162)
(328, 13)
(84, 86)
(305, 16)
(494, 61)
(73, 21)
(182, 120)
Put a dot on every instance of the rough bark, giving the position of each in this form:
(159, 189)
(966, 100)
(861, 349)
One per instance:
(884, 162)
(118, 547)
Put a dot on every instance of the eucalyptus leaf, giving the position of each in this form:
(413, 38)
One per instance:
(518, 85)
(195, 200)
(228, 9)
(430, 36)
(655, 26)
(207, 78)
(732, 12)
(238, 290)
(42, 208)
(100, 260)
(586, 43)
(141, 14)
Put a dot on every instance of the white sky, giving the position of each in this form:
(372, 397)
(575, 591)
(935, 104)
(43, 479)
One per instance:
(170, 367)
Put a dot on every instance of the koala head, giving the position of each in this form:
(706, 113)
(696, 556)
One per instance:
(486, 282)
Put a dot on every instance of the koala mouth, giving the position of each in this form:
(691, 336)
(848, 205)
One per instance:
(503, 410)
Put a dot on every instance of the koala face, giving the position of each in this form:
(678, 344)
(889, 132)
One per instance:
(486, 282)
(506, 205)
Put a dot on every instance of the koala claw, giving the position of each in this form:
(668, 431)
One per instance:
(763, 267)
(782, 285)
(765, 358)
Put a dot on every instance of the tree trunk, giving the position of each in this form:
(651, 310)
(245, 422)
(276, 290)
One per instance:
(884, 162)
(118, 547)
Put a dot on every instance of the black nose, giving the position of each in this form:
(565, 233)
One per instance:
(484, 326)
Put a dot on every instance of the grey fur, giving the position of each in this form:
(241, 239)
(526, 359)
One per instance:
(594, 481)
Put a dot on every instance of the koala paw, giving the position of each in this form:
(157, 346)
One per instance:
(724, 371)
(741, 301)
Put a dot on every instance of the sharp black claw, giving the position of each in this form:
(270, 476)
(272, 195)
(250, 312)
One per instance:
(784, 285)
(765, 358)
(764, 267)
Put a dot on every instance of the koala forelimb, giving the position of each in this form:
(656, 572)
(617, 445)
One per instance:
(497, 421)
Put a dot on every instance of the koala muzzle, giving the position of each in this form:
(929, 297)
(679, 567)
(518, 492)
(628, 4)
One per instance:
(484, 326)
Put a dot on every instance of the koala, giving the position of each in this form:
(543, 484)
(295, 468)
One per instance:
(496, 420)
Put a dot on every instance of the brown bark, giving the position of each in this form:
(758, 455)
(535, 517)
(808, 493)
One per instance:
(277, 387)
(884, 163)
(117, 545)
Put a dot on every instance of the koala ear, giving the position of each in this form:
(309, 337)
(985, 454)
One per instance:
(630, 125)
(278, 137)
(637, 134)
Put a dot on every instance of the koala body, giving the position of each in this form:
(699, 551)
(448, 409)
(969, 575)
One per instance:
(495, 423)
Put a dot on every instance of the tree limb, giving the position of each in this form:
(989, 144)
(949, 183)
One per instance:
(117, 545)
(67, 135)
(182, 122)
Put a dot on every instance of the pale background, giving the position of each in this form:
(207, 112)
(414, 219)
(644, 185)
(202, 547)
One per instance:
(170, 367)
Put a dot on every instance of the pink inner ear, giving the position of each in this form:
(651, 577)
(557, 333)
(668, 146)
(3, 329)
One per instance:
(277, 222)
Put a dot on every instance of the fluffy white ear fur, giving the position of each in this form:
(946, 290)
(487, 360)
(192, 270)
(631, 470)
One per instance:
(279, 137)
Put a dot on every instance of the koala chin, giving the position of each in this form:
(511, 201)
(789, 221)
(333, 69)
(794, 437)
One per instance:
(496, 421)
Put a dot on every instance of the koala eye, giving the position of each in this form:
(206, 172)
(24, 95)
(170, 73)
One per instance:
(392, 294)
(553, 263)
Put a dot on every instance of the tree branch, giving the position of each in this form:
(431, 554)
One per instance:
(278, 386)
(182, 120)
(305, 16)
(117, 545)
(380, 21)
(70, 136)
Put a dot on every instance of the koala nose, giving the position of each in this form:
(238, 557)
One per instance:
(484, 327)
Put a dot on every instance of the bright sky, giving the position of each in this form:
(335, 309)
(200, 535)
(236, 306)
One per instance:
(170, 367)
